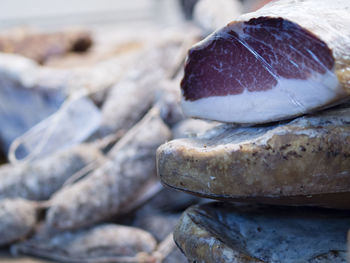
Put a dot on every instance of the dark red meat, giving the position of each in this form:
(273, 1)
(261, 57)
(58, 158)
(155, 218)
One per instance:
(252, 56)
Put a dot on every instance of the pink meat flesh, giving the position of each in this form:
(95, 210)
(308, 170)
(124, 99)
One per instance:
(252, 56)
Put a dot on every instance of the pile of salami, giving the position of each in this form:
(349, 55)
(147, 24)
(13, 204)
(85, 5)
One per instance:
(80, 132)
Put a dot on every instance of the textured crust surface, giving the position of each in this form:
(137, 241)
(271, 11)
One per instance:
(290, 162)
(220, 232)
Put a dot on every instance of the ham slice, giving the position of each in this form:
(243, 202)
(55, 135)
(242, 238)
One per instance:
(289, 58)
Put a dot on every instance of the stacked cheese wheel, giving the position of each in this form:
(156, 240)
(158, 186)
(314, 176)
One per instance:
(265, 72)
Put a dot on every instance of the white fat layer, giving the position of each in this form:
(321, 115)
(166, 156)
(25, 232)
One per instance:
(290, 97)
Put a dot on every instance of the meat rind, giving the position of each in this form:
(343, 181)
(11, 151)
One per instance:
(219, 232)
(305, 161)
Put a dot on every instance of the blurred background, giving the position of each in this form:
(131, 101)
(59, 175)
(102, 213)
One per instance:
(88, 91)
(90, 13)
(96, 14)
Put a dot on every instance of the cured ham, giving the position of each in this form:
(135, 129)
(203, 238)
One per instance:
(289, 58)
